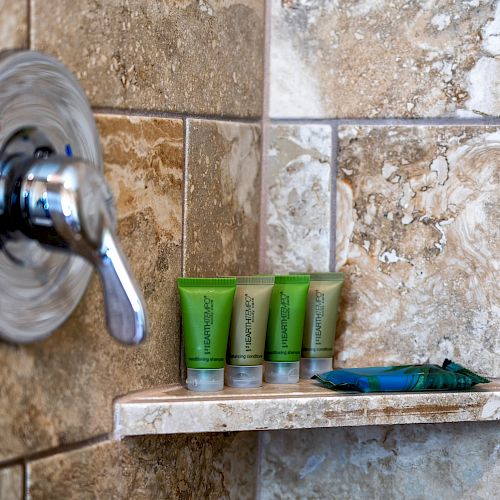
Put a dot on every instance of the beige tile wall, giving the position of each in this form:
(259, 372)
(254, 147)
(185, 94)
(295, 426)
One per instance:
(185, 466)
(409, 90)
(60, 390)
(413, 203)
(11, 483)
(14, 19)
(186, 56)
(168, 62)
(367, 59)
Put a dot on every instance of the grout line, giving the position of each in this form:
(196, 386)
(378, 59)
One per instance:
(449, 121)
(64, 448)
(151, 113)
(333, 197)
(184, 197)
(258, 465)
(265, 122)
(26, 482)
(28, 23)
(185, 194)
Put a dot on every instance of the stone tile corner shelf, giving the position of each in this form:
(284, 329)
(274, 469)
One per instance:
(173, 409)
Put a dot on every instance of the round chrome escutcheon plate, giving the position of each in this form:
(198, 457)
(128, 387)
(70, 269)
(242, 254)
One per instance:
(39, 288)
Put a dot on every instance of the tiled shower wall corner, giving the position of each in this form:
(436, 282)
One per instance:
(177, 93)
(382, 146)
(382, 137)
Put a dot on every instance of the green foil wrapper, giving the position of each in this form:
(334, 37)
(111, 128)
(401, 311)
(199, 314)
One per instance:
(404, 378)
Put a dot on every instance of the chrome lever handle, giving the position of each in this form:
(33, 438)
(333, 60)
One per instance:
(125, 311)
(64, 203)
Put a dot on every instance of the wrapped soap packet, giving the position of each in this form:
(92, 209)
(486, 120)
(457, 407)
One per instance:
(404, 378)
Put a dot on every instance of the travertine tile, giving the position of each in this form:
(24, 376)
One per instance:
(306, 404)
(185, 56)
(223, 198)
(61, 390)
(367, 58)
(182, 466)
(418, 236)
(447, 461)
(11, 483)
(298, 198)
(14, 24)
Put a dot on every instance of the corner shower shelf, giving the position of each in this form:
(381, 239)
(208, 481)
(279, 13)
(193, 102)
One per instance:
(174, 409)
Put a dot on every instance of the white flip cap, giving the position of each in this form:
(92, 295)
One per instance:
(282, 372)
(205, 380)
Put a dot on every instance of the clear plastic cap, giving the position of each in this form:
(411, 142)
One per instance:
(205, 380)
(244, 376)
(282, 372)
(314, 366)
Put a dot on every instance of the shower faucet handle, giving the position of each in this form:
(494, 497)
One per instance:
(65, 203)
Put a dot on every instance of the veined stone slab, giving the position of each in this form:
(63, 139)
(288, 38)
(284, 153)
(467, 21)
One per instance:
(174, 409)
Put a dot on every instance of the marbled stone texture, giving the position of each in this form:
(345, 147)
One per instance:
(418, 236)
(298, 198)
(383, 58)
(11, 483)
(13, 24)
(61, 390)
(185, 56)
(306, 404)
(181, 466)
(222, 208)
(406, 461)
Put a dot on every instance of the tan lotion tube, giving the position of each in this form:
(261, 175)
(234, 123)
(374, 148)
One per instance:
(247, 336)
(323, 303)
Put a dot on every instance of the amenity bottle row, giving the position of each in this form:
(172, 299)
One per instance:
(288, 321)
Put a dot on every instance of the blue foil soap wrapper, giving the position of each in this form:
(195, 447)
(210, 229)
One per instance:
(404, 378)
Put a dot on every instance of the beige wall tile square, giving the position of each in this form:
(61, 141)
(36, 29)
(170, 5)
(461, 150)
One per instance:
(423, 462)
(352, 58)
(11, 483)
(180, 466)
(183, 56)
(61, 390)
(298, 198)
(13, 24)
(223, 198)
(418, 236)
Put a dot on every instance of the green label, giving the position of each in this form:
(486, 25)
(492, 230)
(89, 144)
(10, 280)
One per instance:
(321, 318)
(286, 321)
(248, 324)
(206, 315)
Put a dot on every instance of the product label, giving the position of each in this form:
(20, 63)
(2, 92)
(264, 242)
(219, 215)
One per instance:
(319, 313)
(284, 318)
(249, 321)
(208, 321)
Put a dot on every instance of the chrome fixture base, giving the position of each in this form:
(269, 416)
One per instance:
(39, 288)
(56, 214)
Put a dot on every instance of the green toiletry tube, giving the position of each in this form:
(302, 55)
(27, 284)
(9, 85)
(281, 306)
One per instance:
(206, 305)
(321, 321)
(285, 329)
(247, 337)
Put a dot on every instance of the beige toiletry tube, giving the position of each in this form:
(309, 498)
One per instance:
(321, 321)
(247, 337)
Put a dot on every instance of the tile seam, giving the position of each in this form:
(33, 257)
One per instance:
(493, 121)
(28, 23)
(265, 130)
(26, 482)
(48, 452)
(151, 113)
(185, 184)
(258, 465)
(333, 196)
